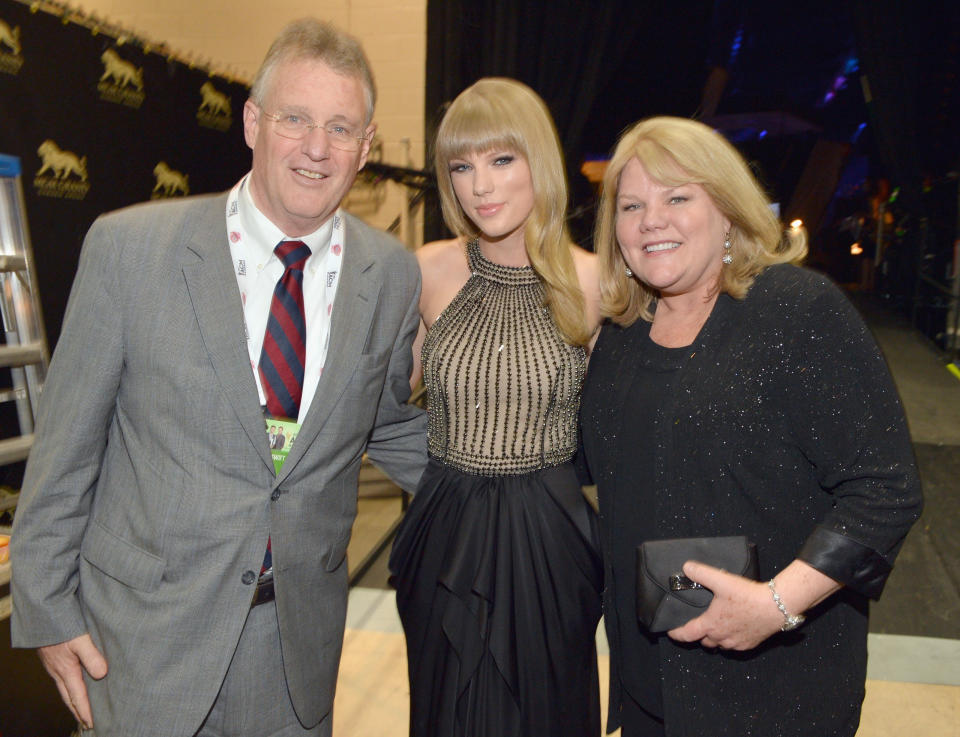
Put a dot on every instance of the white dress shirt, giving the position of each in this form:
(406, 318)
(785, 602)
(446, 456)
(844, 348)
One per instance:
(253, 237)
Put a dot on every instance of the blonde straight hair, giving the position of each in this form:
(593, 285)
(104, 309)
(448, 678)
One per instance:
(499, 113)
(677, 151)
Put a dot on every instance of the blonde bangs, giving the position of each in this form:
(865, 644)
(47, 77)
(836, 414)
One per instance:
(480, 122)
(474, 134)
(661, 166)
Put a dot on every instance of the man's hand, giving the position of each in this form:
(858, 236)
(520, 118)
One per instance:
(65, 662)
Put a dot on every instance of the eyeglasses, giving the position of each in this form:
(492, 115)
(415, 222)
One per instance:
(297, 126)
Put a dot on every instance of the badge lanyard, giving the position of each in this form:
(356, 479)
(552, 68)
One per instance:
(326, 277)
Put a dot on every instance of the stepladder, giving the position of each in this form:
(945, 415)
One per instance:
(24, 354)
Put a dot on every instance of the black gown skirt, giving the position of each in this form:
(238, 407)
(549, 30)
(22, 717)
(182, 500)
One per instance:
(498, 587)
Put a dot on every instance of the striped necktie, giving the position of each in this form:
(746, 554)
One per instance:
(285, 342)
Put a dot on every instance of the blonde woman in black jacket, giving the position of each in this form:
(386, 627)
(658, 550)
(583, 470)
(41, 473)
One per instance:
(736, 394)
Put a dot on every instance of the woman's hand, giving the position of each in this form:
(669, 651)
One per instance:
(743, 613)
(740, 617)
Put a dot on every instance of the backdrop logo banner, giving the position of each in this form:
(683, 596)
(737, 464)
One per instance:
(10, 58)
(215, 108)
(121, 81)
(62, 174)
(56, 83)
(170, 182)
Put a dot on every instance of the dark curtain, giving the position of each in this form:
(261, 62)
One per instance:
(911, 58)
(564, 50)
(889, 37)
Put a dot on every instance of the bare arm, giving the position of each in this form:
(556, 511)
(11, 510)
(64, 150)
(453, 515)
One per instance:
(444, 271)
(417, 373)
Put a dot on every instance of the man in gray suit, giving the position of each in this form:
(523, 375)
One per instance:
(151, 495)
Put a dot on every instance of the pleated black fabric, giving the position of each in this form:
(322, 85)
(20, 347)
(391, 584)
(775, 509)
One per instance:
(498, 586)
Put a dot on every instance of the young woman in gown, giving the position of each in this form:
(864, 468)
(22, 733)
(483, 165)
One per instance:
(497, 564)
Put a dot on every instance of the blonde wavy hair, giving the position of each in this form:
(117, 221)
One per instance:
(677, 151)
(499, 113)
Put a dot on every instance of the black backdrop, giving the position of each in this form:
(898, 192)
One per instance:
(115, 111)
(53, 88)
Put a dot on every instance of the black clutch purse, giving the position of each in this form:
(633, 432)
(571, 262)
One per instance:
(665, 597)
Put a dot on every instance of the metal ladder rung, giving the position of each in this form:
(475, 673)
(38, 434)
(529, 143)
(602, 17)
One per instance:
(15, 449)
(12, 263)
(24, 349)
(21, 355)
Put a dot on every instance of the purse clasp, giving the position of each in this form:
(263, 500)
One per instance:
(679, 582)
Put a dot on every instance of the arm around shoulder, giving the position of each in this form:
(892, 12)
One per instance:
(398, 442)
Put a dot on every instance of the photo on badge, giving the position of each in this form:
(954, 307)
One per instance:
(280, 436)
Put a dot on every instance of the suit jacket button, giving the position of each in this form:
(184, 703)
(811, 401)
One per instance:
(248, 577)
(275, 495)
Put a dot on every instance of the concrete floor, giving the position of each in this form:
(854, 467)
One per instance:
(922, 596)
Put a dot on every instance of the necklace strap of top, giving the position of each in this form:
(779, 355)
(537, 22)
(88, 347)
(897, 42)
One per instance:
(510, 275)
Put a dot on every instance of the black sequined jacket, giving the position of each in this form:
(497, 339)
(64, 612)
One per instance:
(783, 425)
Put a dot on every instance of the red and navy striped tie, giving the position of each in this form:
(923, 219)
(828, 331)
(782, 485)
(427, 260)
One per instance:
(285, 342)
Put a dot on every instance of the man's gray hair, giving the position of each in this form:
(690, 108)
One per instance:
(310, 38)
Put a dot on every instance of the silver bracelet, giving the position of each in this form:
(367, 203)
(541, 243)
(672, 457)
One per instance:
(790, 621)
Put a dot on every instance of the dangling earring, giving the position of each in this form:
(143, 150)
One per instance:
(627, 271)
(727, 258)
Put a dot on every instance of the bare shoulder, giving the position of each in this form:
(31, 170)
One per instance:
(444, 267)
(439, 257)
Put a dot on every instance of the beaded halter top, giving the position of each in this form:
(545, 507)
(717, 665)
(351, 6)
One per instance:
(503, 387)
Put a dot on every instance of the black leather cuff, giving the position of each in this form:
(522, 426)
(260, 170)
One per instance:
(853, 564)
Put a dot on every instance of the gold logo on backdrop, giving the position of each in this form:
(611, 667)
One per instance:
(10, 58)
(61, 174)
(170, 182)
(215, 110)
(121, 81)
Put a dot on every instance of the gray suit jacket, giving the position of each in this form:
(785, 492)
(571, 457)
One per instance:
(150, 490)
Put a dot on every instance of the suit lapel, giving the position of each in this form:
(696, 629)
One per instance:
(353, 310)
(212, 285)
